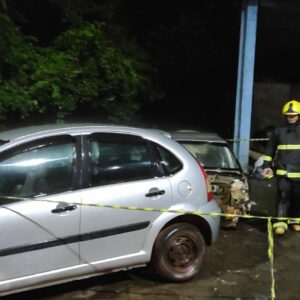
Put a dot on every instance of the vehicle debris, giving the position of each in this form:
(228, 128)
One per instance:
(232, 196)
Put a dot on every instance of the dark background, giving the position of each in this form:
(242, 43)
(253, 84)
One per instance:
(194, 45)
(193, 51)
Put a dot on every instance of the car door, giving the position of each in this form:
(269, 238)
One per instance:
(39, 224)
(121, 174)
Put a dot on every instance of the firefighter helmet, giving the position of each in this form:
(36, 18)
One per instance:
(291, 108)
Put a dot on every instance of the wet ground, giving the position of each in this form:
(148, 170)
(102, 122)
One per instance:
(236, 267)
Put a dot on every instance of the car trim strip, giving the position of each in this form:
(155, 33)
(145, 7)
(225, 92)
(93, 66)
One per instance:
(75, 239)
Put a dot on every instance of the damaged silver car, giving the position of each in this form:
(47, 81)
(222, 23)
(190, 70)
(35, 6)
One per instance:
(81, 200)
(229, 183)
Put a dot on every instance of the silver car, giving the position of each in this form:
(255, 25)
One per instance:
(84, 199)
(229, 183)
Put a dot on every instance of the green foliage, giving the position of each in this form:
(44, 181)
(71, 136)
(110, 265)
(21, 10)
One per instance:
(18, 59)
(82, 65)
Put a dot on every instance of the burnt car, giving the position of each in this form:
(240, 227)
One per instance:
(228, 181)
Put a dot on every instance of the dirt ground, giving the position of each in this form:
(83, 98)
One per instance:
(236, 267)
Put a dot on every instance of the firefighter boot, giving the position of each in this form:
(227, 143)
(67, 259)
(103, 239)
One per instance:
(280, 228)
(296, 227)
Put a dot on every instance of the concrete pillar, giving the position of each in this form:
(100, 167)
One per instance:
(242, 122)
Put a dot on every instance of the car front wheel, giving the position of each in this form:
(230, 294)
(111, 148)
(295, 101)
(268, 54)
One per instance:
(178, 252)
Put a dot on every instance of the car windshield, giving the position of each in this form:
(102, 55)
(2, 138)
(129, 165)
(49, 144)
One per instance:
(212, 155)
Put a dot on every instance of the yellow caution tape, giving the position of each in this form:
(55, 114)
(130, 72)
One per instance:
(181, 211)
(271, 256)
(151, 209)
(247, 140)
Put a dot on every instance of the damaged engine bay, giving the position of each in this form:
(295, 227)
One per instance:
(232, 194)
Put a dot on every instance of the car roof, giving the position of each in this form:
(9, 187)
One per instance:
(194, 135)
(29, 132)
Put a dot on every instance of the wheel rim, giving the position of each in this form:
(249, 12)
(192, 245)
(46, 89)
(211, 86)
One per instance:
(182, 253)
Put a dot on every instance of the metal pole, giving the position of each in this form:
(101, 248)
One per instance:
(242, 123)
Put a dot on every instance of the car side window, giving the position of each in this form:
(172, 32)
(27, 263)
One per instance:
(118, 158)
(169, 162)
(37, 169)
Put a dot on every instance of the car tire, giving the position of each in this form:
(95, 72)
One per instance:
(178, 252)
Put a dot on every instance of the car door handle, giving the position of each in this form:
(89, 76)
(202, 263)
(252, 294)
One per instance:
(155, 193)
(63, 209)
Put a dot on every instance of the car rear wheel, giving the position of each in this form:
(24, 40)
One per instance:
(178, 252)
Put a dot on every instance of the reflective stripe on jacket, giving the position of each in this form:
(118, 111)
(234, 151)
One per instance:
(288, 174)
(283, 151)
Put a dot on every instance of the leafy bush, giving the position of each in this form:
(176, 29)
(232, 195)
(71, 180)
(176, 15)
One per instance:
(83, 65)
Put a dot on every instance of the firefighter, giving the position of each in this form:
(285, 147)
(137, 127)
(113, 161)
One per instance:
(283, 153)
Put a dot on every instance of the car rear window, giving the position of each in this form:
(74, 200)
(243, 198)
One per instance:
(212, 155)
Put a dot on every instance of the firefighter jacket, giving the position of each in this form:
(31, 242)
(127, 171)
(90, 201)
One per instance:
(283, 151)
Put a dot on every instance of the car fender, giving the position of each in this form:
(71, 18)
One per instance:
(168, 217)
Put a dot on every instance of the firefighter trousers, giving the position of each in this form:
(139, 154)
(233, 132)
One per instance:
(288, 197)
